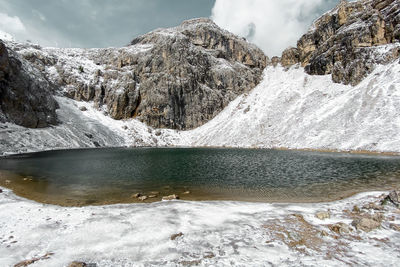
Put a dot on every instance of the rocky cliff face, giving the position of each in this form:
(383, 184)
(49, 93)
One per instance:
(343, 42)
(175, 78)
(25, 96)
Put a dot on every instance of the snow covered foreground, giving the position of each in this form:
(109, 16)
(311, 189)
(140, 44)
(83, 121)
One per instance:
(213, 234)
(288, 109)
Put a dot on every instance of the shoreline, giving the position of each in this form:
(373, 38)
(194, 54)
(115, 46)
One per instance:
(347, 197)
(70, 201)
(321, 150)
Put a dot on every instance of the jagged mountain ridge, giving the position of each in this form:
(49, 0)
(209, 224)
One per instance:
(170, 78)
(341, 41)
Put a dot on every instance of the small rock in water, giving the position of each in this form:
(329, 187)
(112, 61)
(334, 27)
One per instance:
(77, 264)
(25, 179)
(7, 182)
(136, 195)
(186, 192)
(175, 236)
(365, 224)
(322, 215)
(154, 192)
(83, 108)
(142, 198)
(152, 196)
(170, 197)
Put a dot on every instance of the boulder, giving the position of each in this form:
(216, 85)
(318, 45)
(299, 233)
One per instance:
(394, 197)
(322, 215)
(25, 263)
(142, 198)
(77, 264)
(175, 236)
(137, 195)
(356, 209)
(170, 197)
(395, 227)
(365, 224)
(340, 228)
(373, 206)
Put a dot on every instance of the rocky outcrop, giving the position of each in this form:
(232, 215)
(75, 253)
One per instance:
(170, 78)
(25, 95)
(343, 42)
(365, 224)
(290, 56)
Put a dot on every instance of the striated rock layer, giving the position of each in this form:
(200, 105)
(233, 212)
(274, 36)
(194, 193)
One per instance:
(25, 95)
(175, 78)
(342, 41)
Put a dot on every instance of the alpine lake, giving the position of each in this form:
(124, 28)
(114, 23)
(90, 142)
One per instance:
(113, 175)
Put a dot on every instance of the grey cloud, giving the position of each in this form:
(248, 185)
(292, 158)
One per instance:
(99, 23)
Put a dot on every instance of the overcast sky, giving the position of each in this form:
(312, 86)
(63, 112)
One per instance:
(271, 24)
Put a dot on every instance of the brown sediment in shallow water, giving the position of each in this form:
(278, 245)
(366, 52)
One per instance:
(29, 187)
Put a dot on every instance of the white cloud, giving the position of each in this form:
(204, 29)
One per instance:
(12, 25)
(272, 25)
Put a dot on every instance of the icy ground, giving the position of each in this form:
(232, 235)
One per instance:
(288, 109)
(213, 233)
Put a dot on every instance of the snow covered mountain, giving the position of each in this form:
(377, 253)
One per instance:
(296, 105)
(175, 78)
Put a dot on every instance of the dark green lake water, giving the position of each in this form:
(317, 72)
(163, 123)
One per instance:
(113, 175)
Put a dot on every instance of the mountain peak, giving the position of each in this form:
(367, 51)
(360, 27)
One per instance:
(197, 21)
